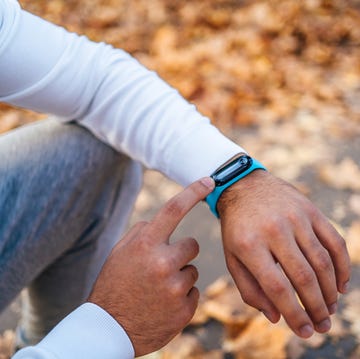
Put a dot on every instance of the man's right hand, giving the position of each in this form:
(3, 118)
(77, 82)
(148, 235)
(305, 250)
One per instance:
(146, 283)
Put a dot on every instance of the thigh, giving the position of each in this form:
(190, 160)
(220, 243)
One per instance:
(57, 183)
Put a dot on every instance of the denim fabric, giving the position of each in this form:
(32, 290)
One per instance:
(58, 188)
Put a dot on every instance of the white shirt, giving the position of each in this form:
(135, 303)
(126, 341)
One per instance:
(45, 68)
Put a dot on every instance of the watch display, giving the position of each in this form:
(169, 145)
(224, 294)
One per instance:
(231, 170)
(228, 174)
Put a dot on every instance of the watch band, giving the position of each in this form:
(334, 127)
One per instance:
(214, 196)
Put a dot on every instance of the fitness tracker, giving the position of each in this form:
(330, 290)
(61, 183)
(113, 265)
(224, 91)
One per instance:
(229, 173)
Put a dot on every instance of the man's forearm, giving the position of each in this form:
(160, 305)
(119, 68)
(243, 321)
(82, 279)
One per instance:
(50, 70)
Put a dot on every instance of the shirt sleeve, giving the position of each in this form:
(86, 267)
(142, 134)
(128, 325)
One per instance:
(88, 332)
(45, 68)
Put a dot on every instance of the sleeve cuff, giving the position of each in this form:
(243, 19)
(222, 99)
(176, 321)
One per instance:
(88, 332)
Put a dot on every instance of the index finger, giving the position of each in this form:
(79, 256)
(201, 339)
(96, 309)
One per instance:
(170, 215)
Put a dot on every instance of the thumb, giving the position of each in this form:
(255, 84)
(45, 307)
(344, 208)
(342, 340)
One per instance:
(171, 214)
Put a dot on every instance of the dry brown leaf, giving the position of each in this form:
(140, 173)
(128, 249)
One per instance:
(345, 175)
(218, 287)
(295, 347)
(103, 16)
(353, 242)
(9, 120)
(260, 339)
(182, 347)
(354, 204)
(225, 305)
(200, 317)
(214, 354)
(316, 340)
(164, 40)
(352, 312)
(154, 355)
(356, 353)
(337, 327)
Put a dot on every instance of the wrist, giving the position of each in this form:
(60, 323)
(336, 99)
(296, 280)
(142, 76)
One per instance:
(237, 195)
(232, 171)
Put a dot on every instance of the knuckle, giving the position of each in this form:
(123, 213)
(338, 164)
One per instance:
(176, 289)
(194, 243)
(318, 312)
(139, 227)
(312, 211)
(323, 261)
(194, 246)
(304, 277)
(198, 190)
(340, 245)
(292, 215)
(142, 243)
(196, 295)
(173, 208)
(274, 226)
(193, 272)
(141, 224)
(190, 245)
(249, 299)
(276, 287)
(163, 266)
(247, 243)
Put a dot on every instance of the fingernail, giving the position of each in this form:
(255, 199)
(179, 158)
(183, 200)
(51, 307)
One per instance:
(306, 331)
(345, 287)
(208, 182)
(332, 308)
(324, 326)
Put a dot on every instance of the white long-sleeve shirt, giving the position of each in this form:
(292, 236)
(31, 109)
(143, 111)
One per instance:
(45, 68)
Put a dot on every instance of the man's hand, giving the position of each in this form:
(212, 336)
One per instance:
(278, 247)
(146, 283)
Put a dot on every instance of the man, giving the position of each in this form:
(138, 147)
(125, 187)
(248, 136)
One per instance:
(65, 197)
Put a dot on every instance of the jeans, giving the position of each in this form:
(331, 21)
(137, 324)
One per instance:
(59, 186)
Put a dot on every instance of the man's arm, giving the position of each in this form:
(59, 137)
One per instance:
(45, 68)
(144, 294)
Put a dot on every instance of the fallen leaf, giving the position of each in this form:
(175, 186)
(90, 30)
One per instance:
(9, 121)
(316, 340)
(352, 312)
(260, 339)
(353, 242)
(354, 204)
(345, 175)
(226, 306)
(200, 317)
(182, 347)
(102, 17)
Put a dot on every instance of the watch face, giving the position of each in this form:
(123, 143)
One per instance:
(232, 170)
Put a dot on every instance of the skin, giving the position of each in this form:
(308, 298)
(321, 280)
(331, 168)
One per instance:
(284, 255)
(278, 246)
(147, 283)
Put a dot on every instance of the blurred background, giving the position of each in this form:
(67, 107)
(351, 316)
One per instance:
(282, 79)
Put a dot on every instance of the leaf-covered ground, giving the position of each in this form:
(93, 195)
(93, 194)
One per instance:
(282, 78)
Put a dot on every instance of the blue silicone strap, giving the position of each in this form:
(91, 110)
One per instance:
(213, 197)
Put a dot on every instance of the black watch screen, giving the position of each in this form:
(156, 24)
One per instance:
(231, 170)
